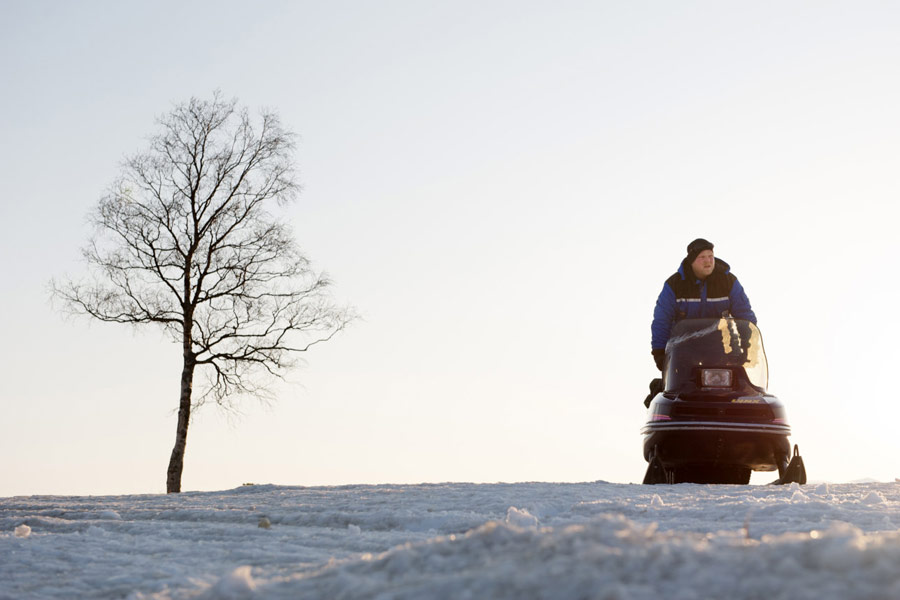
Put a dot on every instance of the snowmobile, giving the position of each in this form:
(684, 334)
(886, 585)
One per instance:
(710, 419)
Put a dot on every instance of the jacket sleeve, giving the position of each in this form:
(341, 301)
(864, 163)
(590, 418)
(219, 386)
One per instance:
(663, 317)
(740, 303)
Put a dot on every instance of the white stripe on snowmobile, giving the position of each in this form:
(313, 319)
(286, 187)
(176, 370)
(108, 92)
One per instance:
(715, 426)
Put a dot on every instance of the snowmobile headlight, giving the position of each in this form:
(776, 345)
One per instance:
(715, 378)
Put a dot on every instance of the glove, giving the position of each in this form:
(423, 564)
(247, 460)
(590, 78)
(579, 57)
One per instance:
(659, 356)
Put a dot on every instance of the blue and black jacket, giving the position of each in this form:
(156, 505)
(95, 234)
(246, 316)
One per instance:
(685, 297)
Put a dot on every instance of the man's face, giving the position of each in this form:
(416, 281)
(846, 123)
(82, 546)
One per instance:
(704, 264)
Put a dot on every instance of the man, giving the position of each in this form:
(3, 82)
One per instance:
(703, 287)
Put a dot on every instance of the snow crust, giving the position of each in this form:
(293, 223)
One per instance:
(531, 540)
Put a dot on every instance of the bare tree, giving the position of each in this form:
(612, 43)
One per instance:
(185, 240)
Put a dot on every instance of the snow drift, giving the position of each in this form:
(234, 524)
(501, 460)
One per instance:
(538, 540)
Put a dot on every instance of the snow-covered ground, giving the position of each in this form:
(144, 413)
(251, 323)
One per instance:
(528, 540)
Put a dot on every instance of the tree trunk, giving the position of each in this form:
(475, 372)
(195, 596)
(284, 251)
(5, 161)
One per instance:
(176, 462)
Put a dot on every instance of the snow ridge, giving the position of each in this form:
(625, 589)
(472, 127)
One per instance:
(536, 540)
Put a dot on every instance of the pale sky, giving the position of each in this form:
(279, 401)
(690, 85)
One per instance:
(501, 189)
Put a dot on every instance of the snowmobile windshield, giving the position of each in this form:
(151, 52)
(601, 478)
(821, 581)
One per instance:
(716, 343)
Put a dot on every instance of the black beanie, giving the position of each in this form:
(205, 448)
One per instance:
(696, 247)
